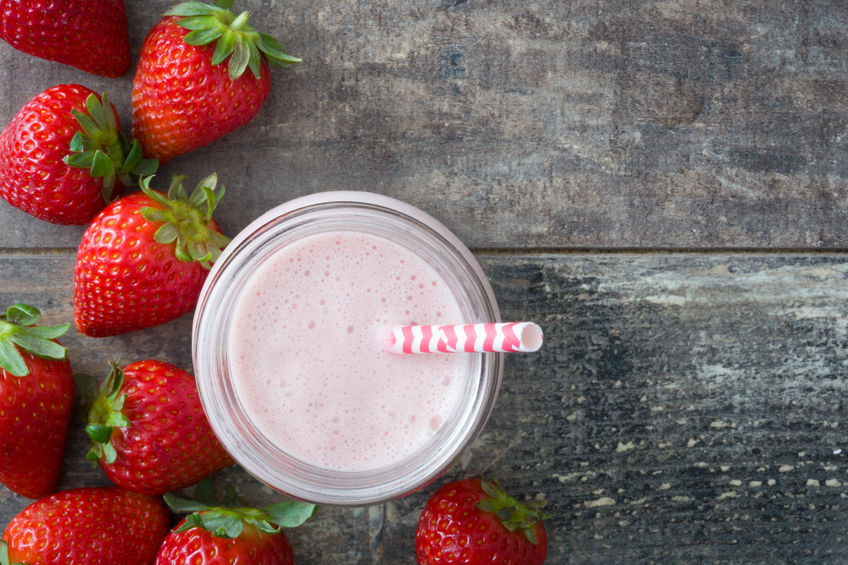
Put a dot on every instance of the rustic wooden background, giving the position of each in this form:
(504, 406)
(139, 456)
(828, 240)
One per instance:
(661, 185)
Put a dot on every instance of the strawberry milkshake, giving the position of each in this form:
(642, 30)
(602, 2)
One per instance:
(290, 347)
(308, 347)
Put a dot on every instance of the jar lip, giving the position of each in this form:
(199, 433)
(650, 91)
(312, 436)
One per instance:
(206, 345)
(352, 197)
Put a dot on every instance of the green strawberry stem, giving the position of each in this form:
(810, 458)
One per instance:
(514, 515)
(104, 413)
(102, 148)
(18, 330)
(186, 219)
(227, 519)
(232, 35)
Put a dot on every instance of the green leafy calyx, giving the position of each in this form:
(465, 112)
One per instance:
(104, 414)
(514, 515)
(102, 148)
(227, 519)
(186, 220)
(18, 331)
(233, 37)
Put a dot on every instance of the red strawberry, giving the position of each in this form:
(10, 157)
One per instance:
(183, 97)
(63, 156)
(149, 432)
(36, 401)
(88, 34)
(473, 521)
(143, 259)
(232, 533)
(88, 526)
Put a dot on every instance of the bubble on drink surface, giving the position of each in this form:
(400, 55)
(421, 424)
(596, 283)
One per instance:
(435, 422)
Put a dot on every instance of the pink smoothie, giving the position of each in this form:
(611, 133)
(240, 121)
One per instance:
(308, 357)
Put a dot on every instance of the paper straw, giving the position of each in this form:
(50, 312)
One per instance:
(507, 337)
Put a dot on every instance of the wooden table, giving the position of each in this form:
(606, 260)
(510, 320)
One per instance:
(661, 185)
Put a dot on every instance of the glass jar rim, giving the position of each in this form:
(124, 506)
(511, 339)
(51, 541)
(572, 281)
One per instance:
(267, 462)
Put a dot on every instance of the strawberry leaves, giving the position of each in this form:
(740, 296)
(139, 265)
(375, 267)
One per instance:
(104, 413)
(513, 514)
(186, 219)
(18, 330)
(234, 38)
(102, 148)
(228, 518)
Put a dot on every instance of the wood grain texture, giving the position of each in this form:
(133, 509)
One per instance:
(661, 124)
(683, 408)
(686, 407)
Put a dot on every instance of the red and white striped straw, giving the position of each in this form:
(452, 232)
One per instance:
(508, 337)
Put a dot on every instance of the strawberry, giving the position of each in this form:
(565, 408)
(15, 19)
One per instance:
(475, 521)
(148, 429)
(231, 533)
(88, 34)
(36, 402)
(183, 97)
(143, 259)
(88, 526)
(63, 156)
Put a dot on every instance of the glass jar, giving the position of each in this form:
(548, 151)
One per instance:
(216, 374)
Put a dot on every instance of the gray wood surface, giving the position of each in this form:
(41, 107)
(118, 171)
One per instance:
(535, 124)
(683, 407)
(661, 185)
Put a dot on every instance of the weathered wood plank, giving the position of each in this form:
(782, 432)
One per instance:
(683, 408)
(697, 410)
(534, 124)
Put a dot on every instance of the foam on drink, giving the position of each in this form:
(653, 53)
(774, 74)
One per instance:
(308, 357)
